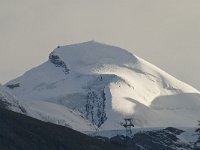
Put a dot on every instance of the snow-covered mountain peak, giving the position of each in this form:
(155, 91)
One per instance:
(90, 56)
(106, 84)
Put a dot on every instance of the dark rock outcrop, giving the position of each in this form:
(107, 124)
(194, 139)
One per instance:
(55, 59)
(95, 107)
(12, 86)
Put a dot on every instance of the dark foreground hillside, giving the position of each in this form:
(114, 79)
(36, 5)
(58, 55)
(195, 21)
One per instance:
(19, 132)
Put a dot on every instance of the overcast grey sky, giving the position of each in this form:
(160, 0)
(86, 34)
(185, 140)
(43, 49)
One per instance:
(164, 32)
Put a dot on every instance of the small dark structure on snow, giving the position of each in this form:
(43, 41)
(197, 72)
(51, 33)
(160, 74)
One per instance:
(128, 124)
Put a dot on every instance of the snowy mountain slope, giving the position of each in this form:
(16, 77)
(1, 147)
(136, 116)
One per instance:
(47, 112)
(58, 114)
(8, 101)
(106, 84)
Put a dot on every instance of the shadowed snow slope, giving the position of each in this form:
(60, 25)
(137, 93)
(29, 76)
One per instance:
(100, 85)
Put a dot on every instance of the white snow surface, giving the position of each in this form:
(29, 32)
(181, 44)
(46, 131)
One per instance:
(48, 112)
(10, 100)
(133, 88)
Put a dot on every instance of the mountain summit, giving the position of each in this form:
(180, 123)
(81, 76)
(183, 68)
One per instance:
(91, 86)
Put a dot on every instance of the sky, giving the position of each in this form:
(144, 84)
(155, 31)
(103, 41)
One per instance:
(164, 32)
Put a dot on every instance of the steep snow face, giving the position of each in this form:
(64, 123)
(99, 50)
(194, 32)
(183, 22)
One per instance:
(48, 112)
(8, 101)
(106, 84)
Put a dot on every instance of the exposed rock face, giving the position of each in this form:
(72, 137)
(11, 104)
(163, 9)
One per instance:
(55, 59)
(95, 107)
(12, 86)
